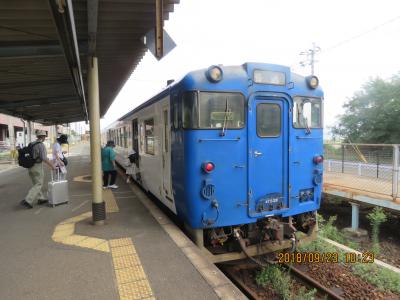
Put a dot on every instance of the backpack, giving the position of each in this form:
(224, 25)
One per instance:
(25, 156)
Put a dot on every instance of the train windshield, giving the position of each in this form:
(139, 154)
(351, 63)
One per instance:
(307, 112)
(213, 110)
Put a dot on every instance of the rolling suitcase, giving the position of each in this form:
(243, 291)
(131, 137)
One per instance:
(57, 190)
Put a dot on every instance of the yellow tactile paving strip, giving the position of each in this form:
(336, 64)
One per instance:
(111, 203)
(82, 178)
(131, 278)
(64, 231)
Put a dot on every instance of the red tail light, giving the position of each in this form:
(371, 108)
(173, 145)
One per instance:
(318, 159)
(208, 167)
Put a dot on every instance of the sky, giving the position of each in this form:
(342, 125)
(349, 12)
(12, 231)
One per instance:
(359, 40)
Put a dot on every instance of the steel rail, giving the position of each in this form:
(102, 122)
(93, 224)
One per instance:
(313, 282)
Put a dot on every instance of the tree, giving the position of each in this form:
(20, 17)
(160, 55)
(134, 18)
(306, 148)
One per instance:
(373, 114)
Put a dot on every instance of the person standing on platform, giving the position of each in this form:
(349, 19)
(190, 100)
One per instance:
(58, 155)
(108, 165)
(36, 172)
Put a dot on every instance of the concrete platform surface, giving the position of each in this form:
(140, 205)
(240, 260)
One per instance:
(55, 253)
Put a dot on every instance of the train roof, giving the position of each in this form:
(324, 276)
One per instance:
(237, 70)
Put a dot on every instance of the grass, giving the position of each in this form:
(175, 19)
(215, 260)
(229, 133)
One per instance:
(280, 281)
(382, 278)
(328, 230)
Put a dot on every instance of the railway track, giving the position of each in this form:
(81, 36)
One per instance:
(331, 281)
(234, 273)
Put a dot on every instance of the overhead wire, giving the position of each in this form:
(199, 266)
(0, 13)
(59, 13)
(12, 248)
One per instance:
(341, 43)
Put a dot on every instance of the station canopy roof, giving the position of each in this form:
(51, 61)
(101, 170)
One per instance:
(44, 50)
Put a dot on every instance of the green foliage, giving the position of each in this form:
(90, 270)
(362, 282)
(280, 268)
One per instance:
(303, 294)
(376, 218)
(277, 278)
(371, 115)
(280, 281)
(328, 230)
(382, 278)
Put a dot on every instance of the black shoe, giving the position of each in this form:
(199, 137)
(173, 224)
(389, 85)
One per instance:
(26, 204)
(42, 201)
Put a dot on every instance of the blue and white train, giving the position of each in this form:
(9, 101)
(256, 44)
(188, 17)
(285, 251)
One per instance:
(235, 152)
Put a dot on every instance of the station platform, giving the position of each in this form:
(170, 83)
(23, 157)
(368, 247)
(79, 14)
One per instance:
(56, 253)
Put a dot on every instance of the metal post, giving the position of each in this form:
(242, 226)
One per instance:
(29, 133)
(11, 134)
(24, 132)
(395, 174)
(377, 164)
(354, 216)
(54, 134)
(98, 205)
(342, 158)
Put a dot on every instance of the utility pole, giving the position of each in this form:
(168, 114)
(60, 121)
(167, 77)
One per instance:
(310, 57)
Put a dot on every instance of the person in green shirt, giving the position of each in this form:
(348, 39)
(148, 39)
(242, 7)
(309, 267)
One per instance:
(108, 165)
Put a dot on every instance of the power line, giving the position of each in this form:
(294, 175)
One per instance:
(310, 59)
(361, 34)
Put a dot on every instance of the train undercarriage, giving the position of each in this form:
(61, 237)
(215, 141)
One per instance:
(266, 235)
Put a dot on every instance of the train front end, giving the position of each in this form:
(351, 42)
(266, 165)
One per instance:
(252, 158)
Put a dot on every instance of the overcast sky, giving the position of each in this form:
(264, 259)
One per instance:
(232, 32)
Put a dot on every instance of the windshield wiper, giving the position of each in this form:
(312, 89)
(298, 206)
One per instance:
(308, 129)
(222, 133)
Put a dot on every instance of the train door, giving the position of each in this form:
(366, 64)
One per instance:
(268, 155)
(166, 151)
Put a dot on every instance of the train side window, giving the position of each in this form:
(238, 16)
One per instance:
(166, 131)
(141, 135)
(190, 110)
(125, 137)
(149, 136)
(135, 136)
(268, 120)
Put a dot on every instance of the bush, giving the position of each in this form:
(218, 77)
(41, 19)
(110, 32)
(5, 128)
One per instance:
(376, 218)
(277, 278)
(281, 282)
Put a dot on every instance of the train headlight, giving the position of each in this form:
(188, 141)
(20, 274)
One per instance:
(312, 81)
(208, 167)
(214, 74)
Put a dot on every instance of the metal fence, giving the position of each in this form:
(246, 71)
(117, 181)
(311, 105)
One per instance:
(364, 167)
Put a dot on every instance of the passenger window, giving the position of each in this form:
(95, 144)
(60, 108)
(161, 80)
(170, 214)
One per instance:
(268, 120)
(125, 138)
(149, 136)
(166, 130)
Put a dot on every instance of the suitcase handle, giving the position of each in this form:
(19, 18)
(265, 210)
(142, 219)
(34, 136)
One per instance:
(58, 174)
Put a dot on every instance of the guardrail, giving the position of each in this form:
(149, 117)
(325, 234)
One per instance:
(372, 168)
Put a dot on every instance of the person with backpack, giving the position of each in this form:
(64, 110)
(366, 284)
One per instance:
(32, 157)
